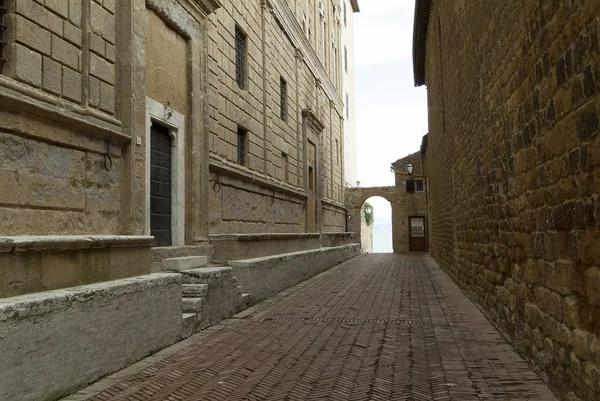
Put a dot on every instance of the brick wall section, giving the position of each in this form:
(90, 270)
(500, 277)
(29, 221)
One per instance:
(513, 156)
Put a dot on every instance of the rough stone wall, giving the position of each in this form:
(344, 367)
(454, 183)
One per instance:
(513, 155)
(52, 179)
(275, 145)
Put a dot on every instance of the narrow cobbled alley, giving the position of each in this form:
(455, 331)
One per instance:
(379, 327)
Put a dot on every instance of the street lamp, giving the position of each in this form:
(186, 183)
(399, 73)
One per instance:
(409, 168)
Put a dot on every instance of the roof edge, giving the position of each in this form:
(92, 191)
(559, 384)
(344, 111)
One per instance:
(355, 6)
(421, 25)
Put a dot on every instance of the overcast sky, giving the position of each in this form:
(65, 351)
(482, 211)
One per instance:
(391, 115)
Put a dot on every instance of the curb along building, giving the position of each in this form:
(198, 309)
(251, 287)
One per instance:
(141, 141)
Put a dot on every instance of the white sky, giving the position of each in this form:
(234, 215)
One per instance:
(391, 114)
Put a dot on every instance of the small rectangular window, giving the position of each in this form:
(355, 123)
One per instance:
(419, 186)
(346, 59)
(410, 186)
(2, 35)
(242, 138)
(347, 106)
(282, 98)
(241, 44)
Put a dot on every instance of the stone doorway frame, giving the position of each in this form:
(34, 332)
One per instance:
(159, 113)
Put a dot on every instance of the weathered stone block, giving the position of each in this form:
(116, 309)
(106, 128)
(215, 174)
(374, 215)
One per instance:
(37, 13)
(558, 277)
(71, 84)
(76, 336)
(60, 269)
(8, 185)
(60, 7)
(593, 285)
(75, 12)
(32, 35)
(66, 53)
(52, 76)
(102, 69)
(581, 344)
(27, 65)
(571, 311)
(72, 34)
(94, 91)
(107, 97)
(102, 22)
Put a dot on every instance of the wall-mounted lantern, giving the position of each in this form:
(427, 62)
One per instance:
(409, 168)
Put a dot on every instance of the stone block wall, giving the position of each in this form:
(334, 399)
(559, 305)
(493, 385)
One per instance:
(513, 158)
(59, 66)
(60, 341)
(53, 48)
(276, 49)
(34, 264)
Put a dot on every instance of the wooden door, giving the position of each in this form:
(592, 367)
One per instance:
(311, 201)
(160, 185)
(416, 234)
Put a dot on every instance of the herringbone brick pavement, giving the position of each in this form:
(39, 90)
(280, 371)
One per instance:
(379, 327)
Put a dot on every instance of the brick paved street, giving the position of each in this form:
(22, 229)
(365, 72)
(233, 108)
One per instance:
(379, 327)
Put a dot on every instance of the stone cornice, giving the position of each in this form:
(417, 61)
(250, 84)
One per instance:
(233, 170)
(207, 6)
(17, 96)
(294, 31)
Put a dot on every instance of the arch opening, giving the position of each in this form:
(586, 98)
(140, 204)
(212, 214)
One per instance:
(376, 225)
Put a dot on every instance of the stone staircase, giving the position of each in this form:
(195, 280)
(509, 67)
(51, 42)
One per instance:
(209, 293)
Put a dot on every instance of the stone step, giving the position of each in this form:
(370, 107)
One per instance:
(204, 274)
(189, 324)
(239, 289)
(192, 305)
(245, 296)
(184, 263)
(194, 290)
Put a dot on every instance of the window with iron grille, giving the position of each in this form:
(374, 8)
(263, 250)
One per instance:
(2, 35)
(240, 57)
(242, 137)
(282, 98)
(419, 187)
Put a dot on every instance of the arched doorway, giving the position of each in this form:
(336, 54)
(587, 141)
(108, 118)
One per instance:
(376, 225)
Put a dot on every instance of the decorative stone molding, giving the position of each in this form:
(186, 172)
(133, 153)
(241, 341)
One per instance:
(37, 243)
(250, 176)
(313, 120)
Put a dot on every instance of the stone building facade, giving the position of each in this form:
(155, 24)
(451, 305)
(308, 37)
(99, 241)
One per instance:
(513, 156)
(260, 153)
(349, 7)
(408, 200)
(134, 135)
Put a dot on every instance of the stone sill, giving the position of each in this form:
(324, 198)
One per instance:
(71, 242)
(21, 97)
(261, 237)
(331, 202)
(252, 177)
